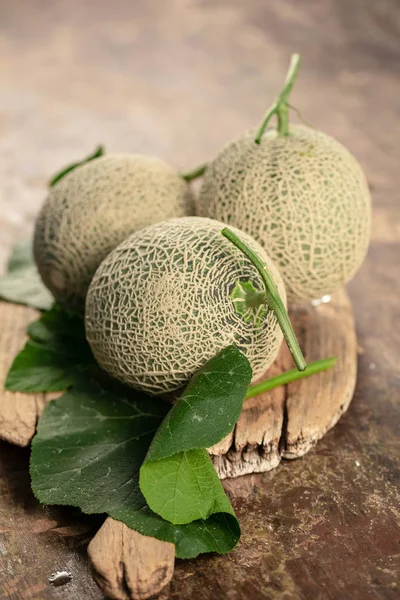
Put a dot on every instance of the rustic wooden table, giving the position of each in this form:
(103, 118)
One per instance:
(178, 79)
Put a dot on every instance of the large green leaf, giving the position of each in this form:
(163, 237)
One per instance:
(56, 354)
(88, 451)
(92, 441)
(22, 283)
(177, 478)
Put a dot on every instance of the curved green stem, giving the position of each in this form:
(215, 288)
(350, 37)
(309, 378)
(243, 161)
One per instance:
(273, 298)
(280, 106)
(96, 154)
(195, 173)
(292, 375)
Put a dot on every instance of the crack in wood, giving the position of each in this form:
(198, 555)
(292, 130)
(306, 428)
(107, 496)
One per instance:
(282, 444)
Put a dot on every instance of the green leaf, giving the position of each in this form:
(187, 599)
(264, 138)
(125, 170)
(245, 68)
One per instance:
(61, 329)
(22, 283)
(92, 441)
(177, 478)
(96, 154)
(88, 451)
(54, 357)
(184, 487)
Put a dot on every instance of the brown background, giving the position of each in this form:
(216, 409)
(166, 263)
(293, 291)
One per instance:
(178, 78)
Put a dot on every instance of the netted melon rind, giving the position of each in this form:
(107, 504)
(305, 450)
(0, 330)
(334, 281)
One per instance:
(93, 209)
(303, 197)
(160, 306)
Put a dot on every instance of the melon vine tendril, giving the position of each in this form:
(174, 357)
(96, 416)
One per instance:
(280, 107)
(273, 299)
(301, 117)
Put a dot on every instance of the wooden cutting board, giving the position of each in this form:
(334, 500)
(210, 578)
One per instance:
(284, 423)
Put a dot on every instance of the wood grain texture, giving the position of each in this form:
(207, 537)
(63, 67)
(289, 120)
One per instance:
(178, 82)
(253, 446)
(130, 565)
(288, 421)
(18, 412)
(314, 405)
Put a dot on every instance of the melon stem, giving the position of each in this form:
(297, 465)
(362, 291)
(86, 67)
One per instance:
(273, 299)
(96, 154)
(284, 378)
(280, 107)
(195, 173)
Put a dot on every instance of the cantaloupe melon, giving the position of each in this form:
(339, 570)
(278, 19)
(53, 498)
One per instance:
(300, 194)
(165, 301)
(96, 206)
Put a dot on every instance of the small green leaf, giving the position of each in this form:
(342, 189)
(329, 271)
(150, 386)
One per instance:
(208, 408)
(96, 154)
(88, 451)
(177, 478)
(184, 487)
(22, 283)
(55, 356)
(36, 369)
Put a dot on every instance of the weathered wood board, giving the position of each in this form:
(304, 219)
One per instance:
(128, 565)
(283, 423)
(288, 421)
(18, 412)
